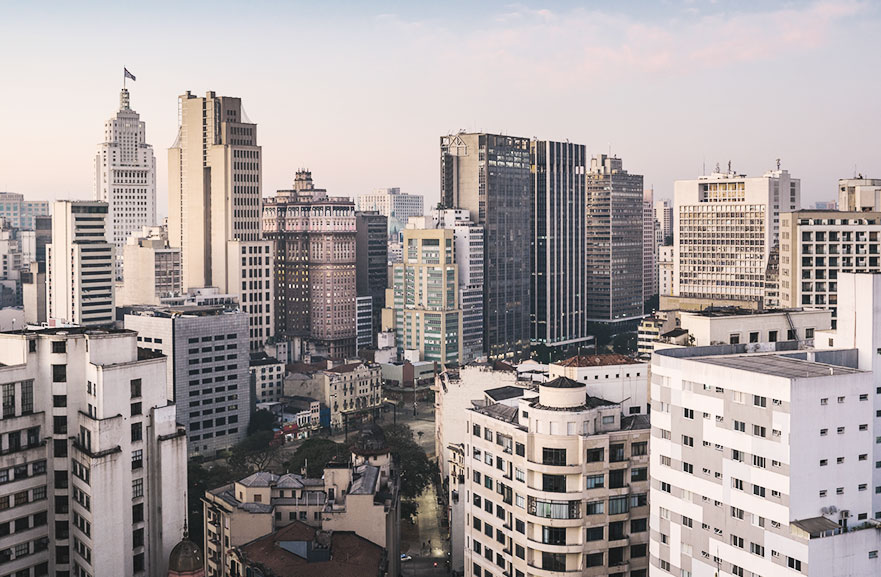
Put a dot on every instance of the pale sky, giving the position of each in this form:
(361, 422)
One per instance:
(360, 92)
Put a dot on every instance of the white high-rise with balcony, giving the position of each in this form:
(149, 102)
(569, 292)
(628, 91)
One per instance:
(125, 177)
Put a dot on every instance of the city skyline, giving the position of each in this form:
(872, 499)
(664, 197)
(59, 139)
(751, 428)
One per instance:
(651, 59)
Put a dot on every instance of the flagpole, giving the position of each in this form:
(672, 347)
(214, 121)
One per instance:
(123, 77)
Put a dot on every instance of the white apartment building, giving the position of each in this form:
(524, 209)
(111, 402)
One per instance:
(21, 213)
(664, 216)
(556, 485)
(616, 378)
(817, 245)
(725, 227)
(92, 460)
(125, 177)
(859, 194)
(391, 202)
(665, 270)
(214, 168)
(761, 464)
(208, 374)
(79, 264)
(153, 269)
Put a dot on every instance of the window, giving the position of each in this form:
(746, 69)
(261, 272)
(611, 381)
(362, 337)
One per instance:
(138, 513)
(137, 459)
(553, 456)
(59, 373)
(638, 525)
(595, 507)
(595, 481)
(596, 455)
(760, 401)
(137, 488)
(759, 431)
(687, 441)
(638, 550)
(638, 474)
(793, 563)
(59, 346)
(665, 487)
(553, 535)
(520, 449)
(554, 483)
(758, 490)
(688, 413)
(137, 431)
(595, 533)
(135, 388)
(616, 453)
(638, 449)
(594, 560)
(618, 505)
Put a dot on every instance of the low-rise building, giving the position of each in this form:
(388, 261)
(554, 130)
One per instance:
(267, 373)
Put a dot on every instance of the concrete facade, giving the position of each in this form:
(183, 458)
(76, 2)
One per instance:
(371, 265)
(859, 195)
(393, 204)
(21, 213)
(125, 177)
(92, 457)
(153, 268)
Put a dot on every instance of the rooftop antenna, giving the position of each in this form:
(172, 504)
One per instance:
(729, 167)
(778, 164)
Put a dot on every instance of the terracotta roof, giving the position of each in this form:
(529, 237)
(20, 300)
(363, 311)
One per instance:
(597, 361)
(351, 555)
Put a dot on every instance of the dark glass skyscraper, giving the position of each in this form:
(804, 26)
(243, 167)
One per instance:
(489, 174)
(559, 277)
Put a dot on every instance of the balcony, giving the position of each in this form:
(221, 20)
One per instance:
(564, 548)
(539, 572)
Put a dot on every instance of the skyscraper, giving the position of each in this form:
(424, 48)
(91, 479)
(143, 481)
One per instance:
(21, 213)
(614, 242)
(314, 235)
(489, 175)
(79, 264)
(215, 206)
(392, 203)
(664, 215)
(125, 177)
(371, 256)
(649, 248)
(726, 227)
(559, 277)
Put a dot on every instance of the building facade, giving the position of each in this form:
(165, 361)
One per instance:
(422, 303)
(665, 270)
(393, 204)
(760, 463)
(21, 213)
(207, 374)
(153, 268)
(364, 323)
(489, 175)
(664, 216)
(92, 458)
(614, 242)
(125, 177)
(650, 232)
(315, 240)
(371, 264)
(726, 227)
(215, 206)
(558, 294)
(79, 265)
(267, 375)
(555, 484)
(857, 195)
(816, 246)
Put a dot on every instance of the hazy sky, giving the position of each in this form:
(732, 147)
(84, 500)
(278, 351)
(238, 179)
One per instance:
(361, 91)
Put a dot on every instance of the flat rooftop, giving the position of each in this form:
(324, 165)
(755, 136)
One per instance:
(778, 365)
(598, 361)
(740, 311)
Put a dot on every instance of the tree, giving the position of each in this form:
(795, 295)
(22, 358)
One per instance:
(199, 480)
(417, 470)
(261, 420)
(315, 454)
(624, 343)
(254, 453)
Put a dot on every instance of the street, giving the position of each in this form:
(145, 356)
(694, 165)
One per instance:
(425, 541)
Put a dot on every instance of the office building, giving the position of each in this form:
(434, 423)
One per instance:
(207, 374)
(360, 496)
(665, 270)
(858, 195)
(267, 376)
(365, 334)
(726, 227)
(215, 205)
(33, 242)
(664, 216)
(153, 268)
(614, 243)
(11, 263)
(764, 463)
(93, 461)
(490, 176)
(649, 249)
(21, 213)
(558, 292)
(816, 246)
(371, 264)
(33, 289)
(315, 240)
(393, 204)
(125, 177)
(558, 483)
(422, 302)
(79, 265)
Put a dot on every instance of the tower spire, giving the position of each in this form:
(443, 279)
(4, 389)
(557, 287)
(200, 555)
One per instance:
(124, 100)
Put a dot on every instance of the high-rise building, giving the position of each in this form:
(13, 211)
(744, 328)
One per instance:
(726, 227)
(215, 206)
(79, 264)
(816, 246)
(763, 463)
(11, 263)
(468, 240)
(152, 268)
(649, 249)
(422, 301)
(93, 461)
(665, 270)
(371, 264)
(315, 239)
(33, 289)
(393, 204)
(364, 323)
(857, 194)
(21, 213)
(558, 293)
(558, 484)
(125, 177)
(614, 243)
(664, 215)
(489, 175)
(207, 371)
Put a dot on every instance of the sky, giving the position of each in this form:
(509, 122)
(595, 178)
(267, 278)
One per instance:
(360, 92)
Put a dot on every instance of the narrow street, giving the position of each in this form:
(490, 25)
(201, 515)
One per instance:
(425, 541)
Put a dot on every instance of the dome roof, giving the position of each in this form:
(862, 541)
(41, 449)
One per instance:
(186, 556)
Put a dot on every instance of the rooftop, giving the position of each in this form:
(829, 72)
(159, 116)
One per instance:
(347, 368)
(563, 383)
(72, 330)
(740, 311)
(597, 361)
(258, 359)
(778, 365)
(816, 526)
(504, 393)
